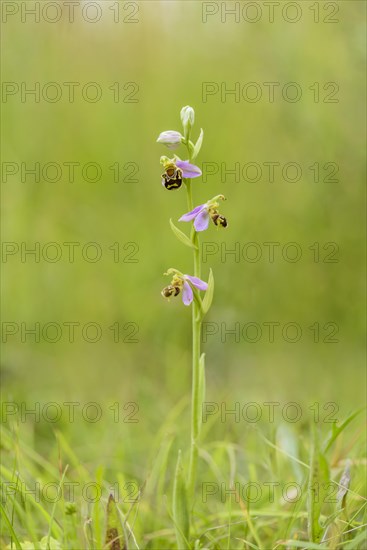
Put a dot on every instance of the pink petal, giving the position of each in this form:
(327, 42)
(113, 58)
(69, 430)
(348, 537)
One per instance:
(201, 285)
(188, 170)
(187, 294)
(202, 220)
(191, 215)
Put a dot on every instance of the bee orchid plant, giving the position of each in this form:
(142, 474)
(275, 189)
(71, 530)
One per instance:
(177, 174)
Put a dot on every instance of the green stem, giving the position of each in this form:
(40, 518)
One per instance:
(196, 338)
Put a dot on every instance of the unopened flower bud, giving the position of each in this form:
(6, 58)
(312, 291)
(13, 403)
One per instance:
(170, 138)
(187, 119)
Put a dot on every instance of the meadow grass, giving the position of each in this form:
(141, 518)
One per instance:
(288, 487)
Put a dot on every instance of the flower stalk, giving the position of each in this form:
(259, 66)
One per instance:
(196, 404)
(176, 173)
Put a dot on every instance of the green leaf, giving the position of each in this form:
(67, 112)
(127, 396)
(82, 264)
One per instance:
(198, 144)
(180, 508)
(208, 298)
(181, 236)
(114, 537)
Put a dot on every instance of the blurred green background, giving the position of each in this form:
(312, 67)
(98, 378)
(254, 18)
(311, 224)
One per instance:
(169, 53)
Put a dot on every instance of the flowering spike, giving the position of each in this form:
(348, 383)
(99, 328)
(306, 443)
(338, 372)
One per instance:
(176, 172)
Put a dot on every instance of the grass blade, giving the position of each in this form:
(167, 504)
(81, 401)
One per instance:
(318, 479)
(10, 527)
(180, 508)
